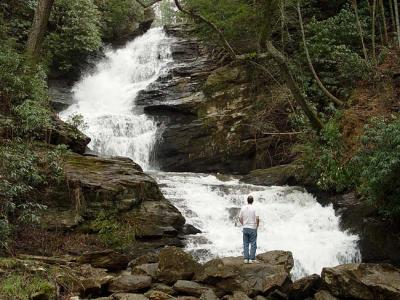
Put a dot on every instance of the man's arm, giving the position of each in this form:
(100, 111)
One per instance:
(258, 221)
(241, 217)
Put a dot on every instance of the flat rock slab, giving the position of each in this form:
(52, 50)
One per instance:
(363, 281)
(127, 296)
(190, 288)
(231, 274)
(129, 283)
(146, 269)
(158, 295)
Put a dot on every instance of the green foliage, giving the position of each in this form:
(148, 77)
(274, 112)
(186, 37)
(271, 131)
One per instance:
(323, 159)
(76, 35)
(20, 80)
(22, 170)
(240, 22)
(23, 286)
(115, 234)
(378, 163)
(118, 17)
(335, 49)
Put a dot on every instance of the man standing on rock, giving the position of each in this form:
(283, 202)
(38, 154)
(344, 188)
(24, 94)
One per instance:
(250, 220)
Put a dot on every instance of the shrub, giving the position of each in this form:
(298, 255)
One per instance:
(19, 79)
(378, 163)
(118, 17)
(324, 159)
(76, 32)
(335, 49)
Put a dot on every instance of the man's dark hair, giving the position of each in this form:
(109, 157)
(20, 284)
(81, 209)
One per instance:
(250, 199)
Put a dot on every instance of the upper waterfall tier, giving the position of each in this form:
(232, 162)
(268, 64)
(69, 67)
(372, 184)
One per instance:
(106, 98)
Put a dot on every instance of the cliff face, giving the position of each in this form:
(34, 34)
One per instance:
(217, 117)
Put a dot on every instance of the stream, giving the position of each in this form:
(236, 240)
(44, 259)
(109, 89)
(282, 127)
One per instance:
(291, 219)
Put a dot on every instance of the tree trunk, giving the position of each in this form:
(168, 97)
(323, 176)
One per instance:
(373, 31)
(292, 85)
(39, 26)
(319, 82)
(360, 31)
(385, 30)
(396, 17)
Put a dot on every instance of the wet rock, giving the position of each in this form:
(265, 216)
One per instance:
(190, 287)
(208, 295)
(158, 295)
(107, 259)
(324, 295)
(146, 269)
(127, 296)
(129, 283)
(175, 264)
(230, 274)
(278, 175)
(304, 287)
(363, 281)
(190, 229)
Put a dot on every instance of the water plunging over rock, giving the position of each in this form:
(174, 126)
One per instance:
(292, 220)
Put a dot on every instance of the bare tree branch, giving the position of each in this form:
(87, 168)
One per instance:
(144, 5)
(310, 64)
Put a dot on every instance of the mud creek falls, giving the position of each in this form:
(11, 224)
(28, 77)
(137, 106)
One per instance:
(291, 219)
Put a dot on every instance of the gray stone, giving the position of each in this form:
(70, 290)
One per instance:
(106, 259)
(158, 295)
(129, 283)
(175, 264)
(163, 288)
(324, 295)
(127, 296)
(208, 295)
(190, 287)
(146, 269)
(363, 281)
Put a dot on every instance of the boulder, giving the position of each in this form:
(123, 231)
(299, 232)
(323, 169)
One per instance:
(146, 269)
(190, 288)
(187, 298)
(107, 259)
(175, 264)
(278, 175)
(127, 296)
(190, 229)
(324, 295)
(64, 133)
(208, 295)
(304, 287)
(278, 258)
(363, 281)
(158, 295)
(236, 296)
(230, 274)
(147, 258)
(163, 288)
(129, 283)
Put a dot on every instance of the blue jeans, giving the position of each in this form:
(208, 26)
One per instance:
(249, 237)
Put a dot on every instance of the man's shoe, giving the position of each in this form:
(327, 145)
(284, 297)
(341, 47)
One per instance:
(246, 261)
(254, 261)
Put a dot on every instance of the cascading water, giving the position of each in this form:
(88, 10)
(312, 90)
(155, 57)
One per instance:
(106, 98)
(291, 219)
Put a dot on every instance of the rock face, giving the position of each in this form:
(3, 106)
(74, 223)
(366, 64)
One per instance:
(113, 194)
(230, 274)
(278, 175)
(363, 281)
(209, 113)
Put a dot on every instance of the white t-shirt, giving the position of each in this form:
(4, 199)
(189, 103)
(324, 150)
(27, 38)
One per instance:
(249, 215)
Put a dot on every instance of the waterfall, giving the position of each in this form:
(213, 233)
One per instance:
(106, 98)
(291, 219)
